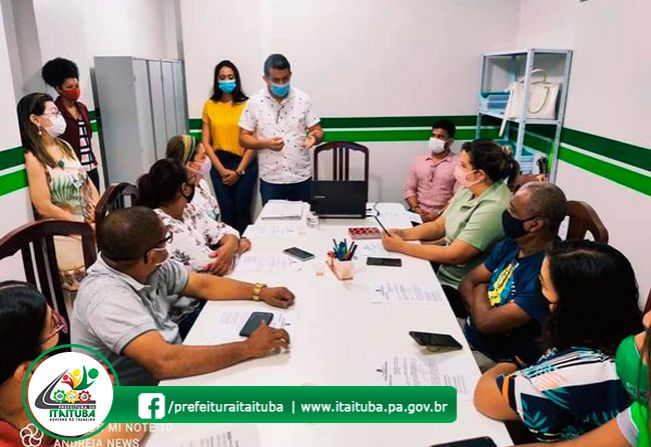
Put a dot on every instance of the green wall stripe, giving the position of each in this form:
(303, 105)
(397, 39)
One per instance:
(195, 124)
(379, 121)
(13, 182)
(616, 150)
(93, 114)
(94, 126)
(11, 157)
(630, 179)
(361, 136)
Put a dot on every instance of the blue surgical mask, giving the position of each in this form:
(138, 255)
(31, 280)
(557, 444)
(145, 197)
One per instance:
(227, 85)
(280, 89)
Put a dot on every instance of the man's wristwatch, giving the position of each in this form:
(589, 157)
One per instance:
(240, 172)
(257, 289)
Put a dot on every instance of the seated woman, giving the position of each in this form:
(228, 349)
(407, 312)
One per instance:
(59, 186)
(631, 427)
(573, 388)
(33, 327)
(192, 154)
(472, 223)
(199, 242)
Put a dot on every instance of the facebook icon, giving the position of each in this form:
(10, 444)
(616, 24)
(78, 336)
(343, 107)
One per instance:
(151, 406)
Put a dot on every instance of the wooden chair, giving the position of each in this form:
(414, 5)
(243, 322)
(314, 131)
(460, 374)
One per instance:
(584, 219)
(341, 159)
(114, 198)
(36, 245)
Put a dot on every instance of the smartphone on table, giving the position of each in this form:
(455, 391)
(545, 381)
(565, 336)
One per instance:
(254, 321)
(299, 254)
(387, 262)
(436, 342)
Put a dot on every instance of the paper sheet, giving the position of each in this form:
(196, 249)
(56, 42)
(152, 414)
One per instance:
(270, 231)
(448, 369)
(231, 319)
(282, 209)
(211, 436)
(373, 248)
(403, 292)
(265, 263)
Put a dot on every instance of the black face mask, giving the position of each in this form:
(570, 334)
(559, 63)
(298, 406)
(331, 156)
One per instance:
(190, 196)
(514, 228)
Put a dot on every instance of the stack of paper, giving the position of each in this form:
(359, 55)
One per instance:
(282, 209)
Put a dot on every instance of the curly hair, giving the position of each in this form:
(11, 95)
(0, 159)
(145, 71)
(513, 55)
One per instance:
(597, 297)
(57, 70)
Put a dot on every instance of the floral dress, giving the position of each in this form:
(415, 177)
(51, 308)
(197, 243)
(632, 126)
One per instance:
(194, 238)
(70, 190)
(204, 201)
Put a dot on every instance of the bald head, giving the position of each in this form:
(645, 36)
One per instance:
(127, 234)
(545, 200)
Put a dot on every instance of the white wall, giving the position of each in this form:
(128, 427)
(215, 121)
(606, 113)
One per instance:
(355, 58)
(609, 96)
(15, 206)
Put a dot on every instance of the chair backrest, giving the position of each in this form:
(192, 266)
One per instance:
(340, 159)
(584, 219)
(35, 241)
(523, 179)
(114, 198)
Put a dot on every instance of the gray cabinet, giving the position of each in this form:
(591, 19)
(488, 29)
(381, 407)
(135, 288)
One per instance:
(142, 103)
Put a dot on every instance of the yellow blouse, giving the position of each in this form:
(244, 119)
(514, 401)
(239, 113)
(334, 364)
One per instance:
(223, 119)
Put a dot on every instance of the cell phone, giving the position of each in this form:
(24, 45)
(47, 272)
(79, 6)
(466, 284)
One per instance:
(254, 322)
(436, 342)
(299, 254)
(389, 262)
(484, 441)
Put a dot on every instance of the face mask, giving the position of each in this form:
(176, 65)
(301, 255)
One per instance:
(514, 228)
(58, 126)
(436, 146)
(204, 170)
(227, 86)
(461, 176)
(631, 371)
(72, 95)
(280, 89)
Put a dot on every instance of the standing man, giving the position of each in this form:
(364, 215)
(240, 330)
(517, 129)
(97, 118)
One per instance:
(431, 184)
(280, 122)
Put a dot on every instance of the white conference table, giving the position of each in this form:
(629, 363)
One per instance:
(336, 328)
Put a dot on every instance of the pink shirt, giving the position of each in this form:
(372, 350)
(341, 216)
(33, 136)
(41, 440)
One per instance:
(433, 186)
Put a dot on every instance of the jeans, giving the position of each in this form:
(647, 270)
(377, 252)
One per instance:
(235, 200)
(301, 191)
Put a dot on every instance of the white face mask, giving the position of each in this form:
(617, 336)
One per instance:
(58, 126)
(436, 146)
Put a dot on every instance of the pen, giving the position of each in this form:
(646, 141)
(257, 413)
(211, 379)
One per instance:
(382, 226)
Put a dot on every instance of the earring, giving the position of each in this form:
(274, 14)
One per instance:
(39, 131)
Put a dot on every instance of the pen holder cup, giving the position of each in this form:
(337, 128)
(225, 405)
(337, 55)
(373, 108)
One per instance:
(342, 269)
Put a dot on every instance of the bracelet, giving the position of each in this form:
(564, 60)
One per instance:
(257, 289)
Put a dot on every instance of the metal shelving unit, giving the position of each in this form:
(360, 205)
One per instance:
(499, 69)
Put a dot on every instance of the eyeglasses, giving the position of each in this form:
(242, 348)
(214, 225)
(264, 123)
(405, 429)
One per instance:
(59, 324)
(169, 237)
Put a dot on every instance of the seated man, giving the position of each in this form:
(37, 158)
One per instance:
(123, 306)
(431, 184)
(502, 294)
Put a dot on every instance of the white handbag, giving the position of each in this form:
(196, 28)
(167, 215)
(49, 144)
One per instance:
(543, 96)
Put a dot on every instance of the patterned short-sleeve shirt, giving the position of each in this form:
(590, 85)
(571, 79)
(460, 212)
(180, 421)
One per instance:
(290, 119)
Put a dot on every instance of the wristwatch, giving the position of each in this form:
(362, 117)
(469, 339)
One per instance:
(257, 289)
(240, 172)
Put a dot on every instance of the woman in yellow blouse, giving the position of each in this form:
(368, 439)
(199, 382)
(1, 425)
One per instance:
(235, 169)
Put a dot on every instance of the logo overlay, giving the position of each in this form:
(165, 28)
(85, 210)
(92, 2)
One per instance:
(69, 394)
